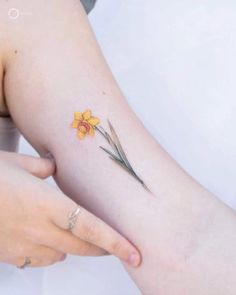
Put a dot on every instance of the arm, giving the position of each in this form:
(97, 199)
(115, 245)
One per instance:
(59, 69)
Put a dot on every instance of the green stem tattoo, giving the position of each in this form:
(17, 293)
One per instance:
(85, 124)
(118, 155)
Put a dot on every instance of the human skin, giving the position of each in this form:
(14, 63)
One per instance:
(33, 218)
(186, 235)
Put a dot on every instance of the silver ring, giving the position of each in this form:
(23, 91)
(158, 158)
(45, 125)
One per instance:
(73, 218)
(26, 263)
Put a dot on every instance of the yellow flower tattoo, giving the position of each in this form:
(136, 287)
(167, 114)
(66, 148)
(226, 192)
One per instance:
(85, 124)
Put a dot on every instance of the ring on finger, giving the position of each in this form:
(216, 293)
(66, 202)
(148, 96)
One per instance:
(73, 216)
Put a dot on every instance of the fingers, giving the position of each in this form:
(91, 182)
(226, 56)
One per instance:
(40, 167)
(94, 231)
(64, 241)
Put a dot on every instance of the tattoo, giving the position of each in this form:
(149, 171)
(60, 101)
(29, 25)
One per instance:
(86, 124)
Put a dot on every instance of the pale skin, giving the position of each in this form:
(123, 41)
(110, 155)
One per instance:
(186, 236)
(41, 211)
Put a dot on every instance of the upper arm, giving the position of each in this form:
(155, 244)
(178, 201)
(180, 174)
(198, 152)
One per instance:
(54, 68)
(59, 69)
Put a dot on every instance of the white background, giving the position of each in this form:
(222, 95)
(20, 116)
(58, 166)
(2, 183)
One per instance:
(175, 61)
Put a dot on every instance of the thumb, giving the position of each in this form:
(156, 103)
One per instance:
(39, 167)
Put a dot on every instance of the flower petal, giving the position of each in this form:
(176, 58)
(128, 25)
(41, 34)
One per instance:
(86, 114)
(91, 131)
(80, 134)
(78, 116)
(74, 124)
(93, 121)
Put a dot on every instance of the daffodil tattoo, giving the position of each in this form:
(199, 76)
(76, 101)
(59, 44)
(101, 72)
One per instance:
(86, 124)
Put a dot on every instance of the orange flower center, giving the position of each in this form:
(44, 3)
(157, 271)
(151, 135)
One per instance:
(85, 125)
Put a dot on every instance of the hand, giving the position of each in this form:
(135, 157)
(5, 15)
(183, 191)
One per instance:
(34, 219)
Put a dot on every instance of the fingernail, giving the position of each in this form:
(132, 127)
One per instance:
(134, 259)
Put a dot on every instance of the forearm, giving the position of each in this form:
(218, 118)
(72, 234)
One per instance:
(55, 79)
(172, 226)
